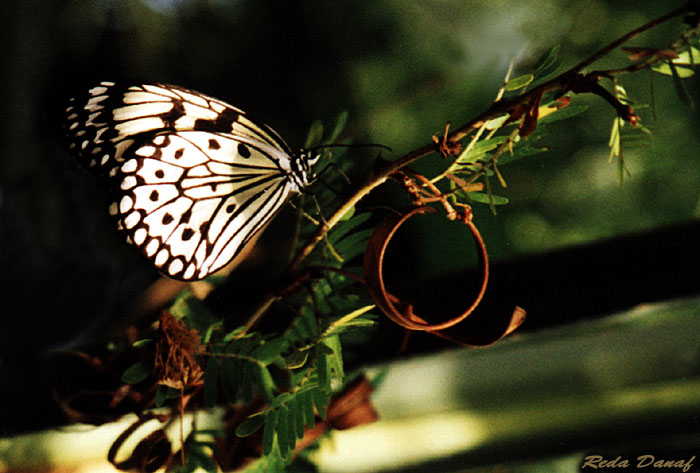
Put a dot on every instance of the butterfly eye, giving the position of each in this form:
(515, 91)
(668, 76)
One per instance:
(193, 178)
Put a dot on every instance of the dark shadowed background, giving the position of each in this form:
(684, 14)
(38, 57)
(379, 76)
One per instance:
(572, 244)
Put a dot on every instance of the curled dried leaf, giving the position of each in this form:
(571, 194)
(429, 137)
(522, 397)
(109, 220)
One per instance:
(402, 312)
(447, 146)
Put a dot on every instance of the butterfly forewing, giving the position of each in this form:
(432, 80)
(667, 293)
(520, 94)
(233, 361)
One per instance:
(99, 125)
(192, 179)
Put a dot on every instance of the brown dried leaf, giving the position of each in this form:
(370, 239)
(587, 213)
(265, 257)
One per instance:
(640, 53)
(177, 346)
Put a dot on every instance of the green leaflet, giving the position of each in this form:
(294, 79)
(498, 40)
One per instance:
(282, 431)
(307, 408)
(335, 361)
(230, 377)
(321, 398)
(250, 425)
(484, 198)
(264, 382)
(340, 124)
(563, 113)
(519, 82)
(142, 343)
(269, 432)
(348, 226)
(548, 62)
(247, 382)
(322, 367)
(683, 64)
(281, 399)
(136, 372)
(164, 393)
(299, 410)
(353, 245)
(315, 134)
(480, 149)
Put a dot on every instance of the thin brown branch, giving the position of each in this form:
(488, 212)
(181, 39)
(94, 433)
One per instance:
(692, 5)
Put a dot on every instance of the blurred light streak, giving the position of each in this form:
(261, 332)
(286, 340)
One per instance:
(396, 443)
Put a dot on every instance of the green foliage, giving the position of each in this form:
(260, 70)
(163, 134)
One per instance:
(339, 127)
(482, 157)
(562, 113)
(684, 64)
(637, 135)
(291, 412)
(681, 67)
(487, 150)
(309, 354)
(547, 63)
(199, 448)
(164, 394)
(270, 463)
(519, 82)
(315, 134)
(486, 198)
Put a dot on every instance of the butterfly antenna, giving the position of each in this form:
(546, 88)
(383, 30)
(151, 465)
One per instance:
(350, 145)
(337, 168)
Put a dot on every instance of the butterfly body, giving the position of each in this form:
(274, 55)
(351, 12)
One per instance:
(191, 178)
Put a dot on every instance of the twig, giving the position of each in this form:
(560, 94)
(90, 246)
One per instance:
(692, 5)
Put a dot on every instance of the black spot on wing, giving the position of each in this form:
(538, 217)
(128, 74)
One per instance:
(204, 228)
(213, 144)
(187, 234)
(177, 112)
(223, 122)
(167, 219)
(243, 151)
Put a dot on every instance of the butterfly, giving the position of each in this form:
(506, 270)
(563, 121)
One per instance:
(191, 179)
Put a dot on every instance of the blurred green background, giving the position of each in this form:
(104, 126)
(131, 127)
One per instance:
(401, 69)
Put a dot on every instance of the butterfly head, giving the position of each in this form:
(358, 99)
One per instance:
(302, 165)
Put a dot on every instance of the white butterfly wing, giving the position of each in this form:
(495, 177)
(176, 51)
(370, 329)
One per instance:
(100, 125)
(191, 200)
(192, 178)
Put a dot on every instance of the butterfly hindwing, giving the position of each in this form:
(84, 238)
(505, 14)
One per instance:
(191, 200)
(191, 178)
